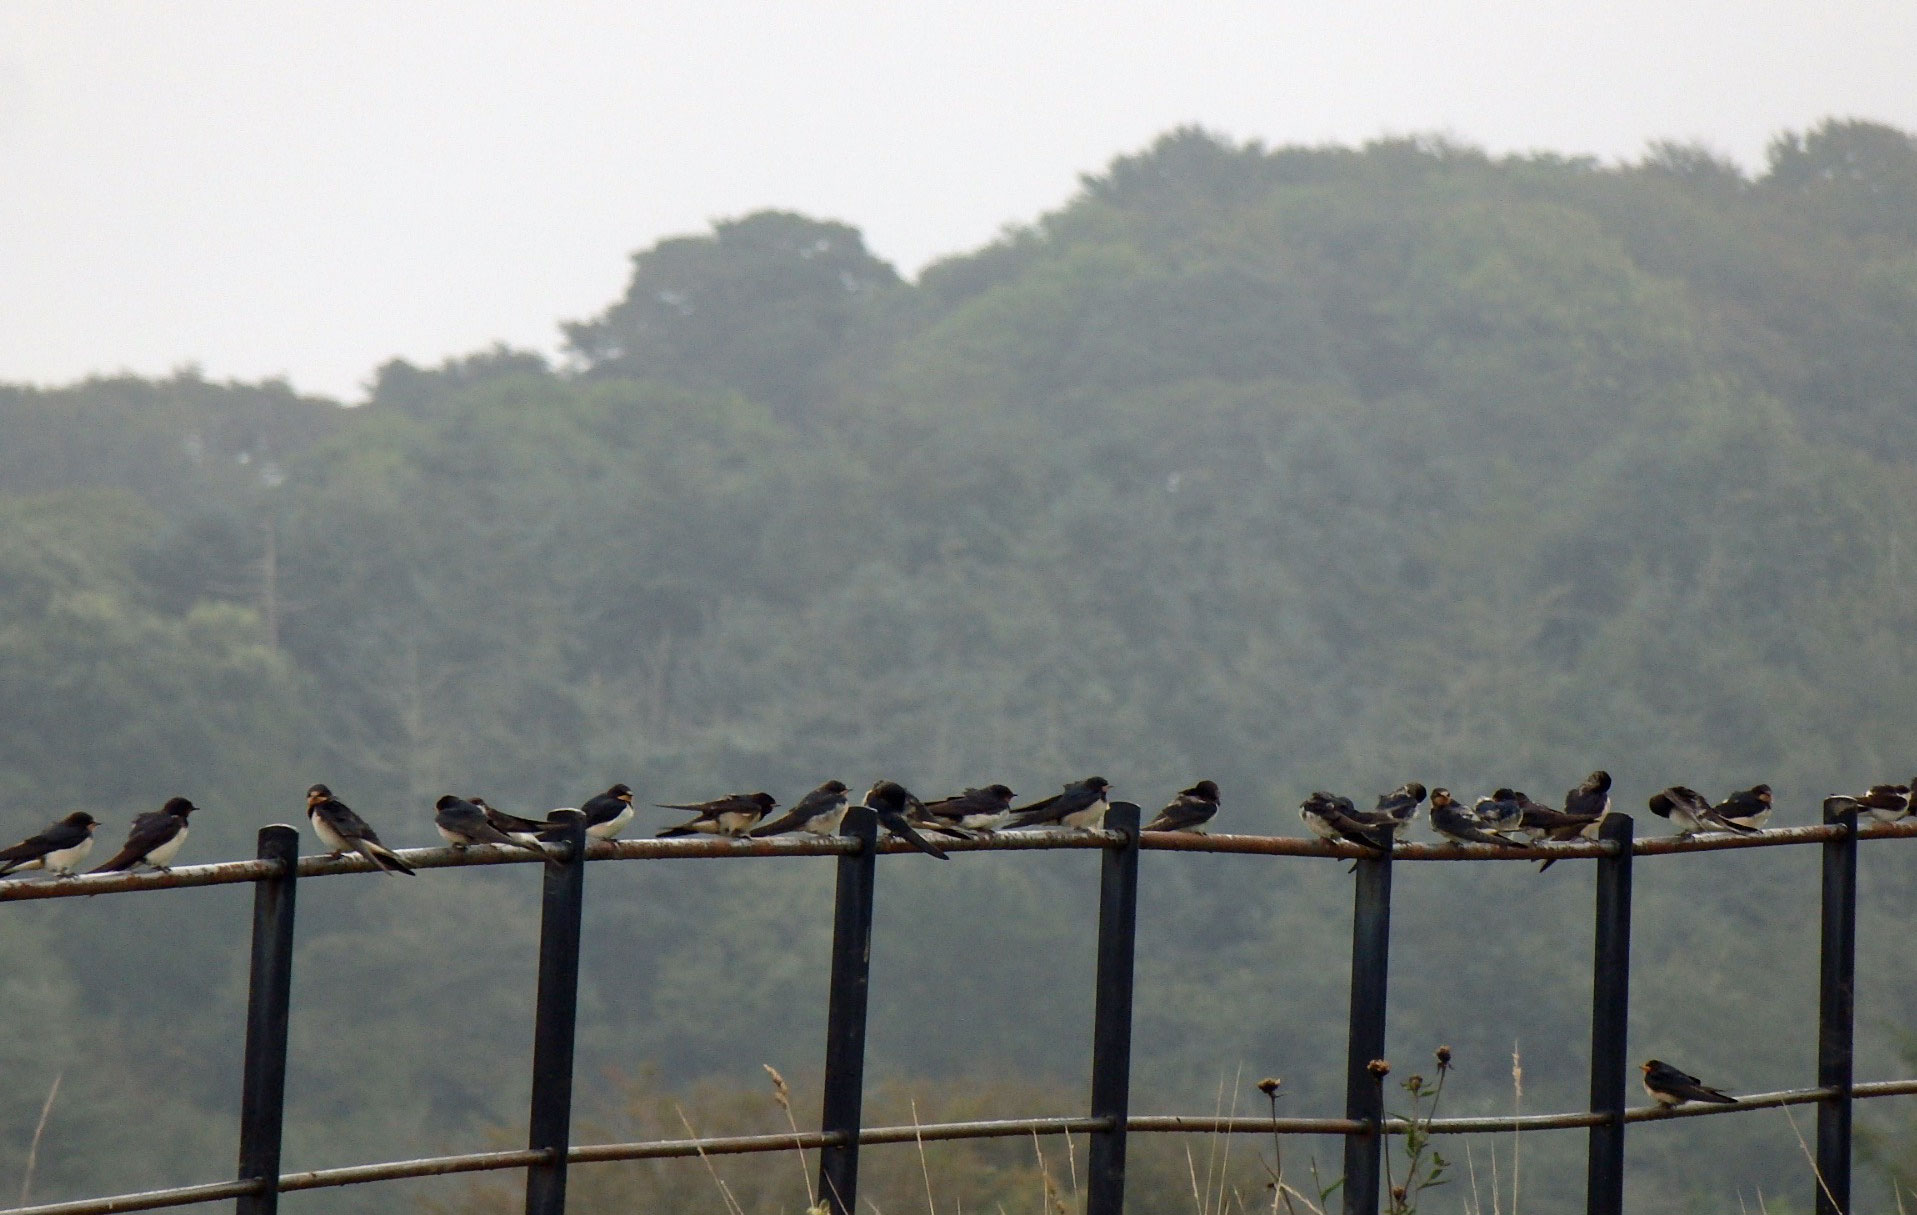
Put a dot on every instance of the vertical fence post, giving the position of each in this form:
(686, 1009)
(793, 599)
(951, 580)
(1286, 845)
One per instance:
(1610, 1019)
(1112, 1013)
(845, 1014)
(1836, 1007)
(1364, 1090)
(562, 907)
(269, 994)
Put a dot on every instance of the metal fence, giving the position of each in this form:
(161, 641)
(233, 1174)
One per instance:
(1364, 1126)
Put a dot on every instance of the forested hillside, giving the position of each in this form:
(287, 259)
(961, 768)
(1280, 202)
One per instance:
(1296, 469)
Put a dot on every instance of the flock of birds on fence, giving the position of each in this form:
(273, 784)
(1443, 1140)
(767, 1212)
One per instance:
(1495, 820)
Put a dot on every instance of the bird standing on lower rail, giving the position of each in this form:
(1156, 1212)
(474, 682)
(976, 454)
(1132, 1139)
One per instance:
(1670, 1087)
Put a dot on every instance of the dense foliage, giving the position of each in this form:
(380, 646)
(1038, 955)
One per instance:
(1298, 468)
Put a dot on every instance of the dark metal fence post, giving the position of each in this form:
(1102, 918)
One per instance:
(563, 902)
(845, 1014)
(1364, 1088)
(1610, 1020)
(1112, 1013)
(269, 995)
(1836, 1007)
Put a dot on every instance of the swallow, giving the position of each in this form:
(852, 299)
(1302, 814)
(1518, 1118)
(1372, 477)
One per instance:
(1885, 803)
(606, 816)
(155, 839)
(525, 830)
(1746, 811)
(1402, 805)
(1670, 1087)
(342, 831)
(1081, 806)
(1502, 811)
(1592, 799)
(819, 812)
(1456, 824)
(1684, 806)
(58, 850)
(1585, 808)
(1333, 817)
(984, 810)
(463, 824)
(1189, 811)
(1542, 822)
(889, 800)
(731, 815)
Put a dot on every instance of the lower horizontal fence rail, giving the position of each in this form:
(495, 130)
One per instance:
(929, 1132)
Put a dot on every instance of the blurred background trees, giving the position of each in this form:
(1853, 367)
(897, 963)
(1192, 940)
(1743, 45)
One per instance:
(1294, 468)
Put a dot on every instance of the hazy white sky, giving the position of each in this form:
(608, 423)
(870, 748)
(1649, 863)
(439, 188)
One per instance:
(309, 188)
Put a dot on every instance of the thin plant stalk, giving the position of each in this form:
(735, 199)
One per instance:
(725, 1191)
(39, 1129)
(924, 1171)
(1517, 1111)
(783, 1095)
(1191, 1166)
(1211, 1148)
(1817, 1172)
(1224, 1164)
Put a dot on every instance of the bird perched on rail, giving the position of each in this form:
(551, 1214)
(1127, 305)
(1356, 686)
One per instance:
(817, 813)
(888, 801)
(1501, 811)
(1332, 816)
(156, 838)
(606, 816)
(732, 815)
(58, 850)
(463, 824)
(1080, 806)
(1585, 808)
(1885, 803)
(1686, 808)
(1670, 1087)
(1745, 811)
(525, 830)
(343, 831)
(1456, 824)
(1189, 811)
(1402, 805)
(975, 811)
(1548, 823)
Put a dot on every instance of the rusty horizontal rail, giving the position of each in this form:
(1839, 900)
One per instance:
(931, 1132)
(235, 872)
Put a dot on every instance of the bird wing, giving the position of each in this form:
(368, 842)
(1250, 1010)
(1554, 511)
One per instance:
(150, 830)
(896, 824)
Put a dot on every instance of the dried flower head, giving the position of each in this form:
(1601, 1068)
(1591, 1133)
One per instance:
(1379, 1068)
(1270, 1085)
(1444, 1057)
(780, 1092)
